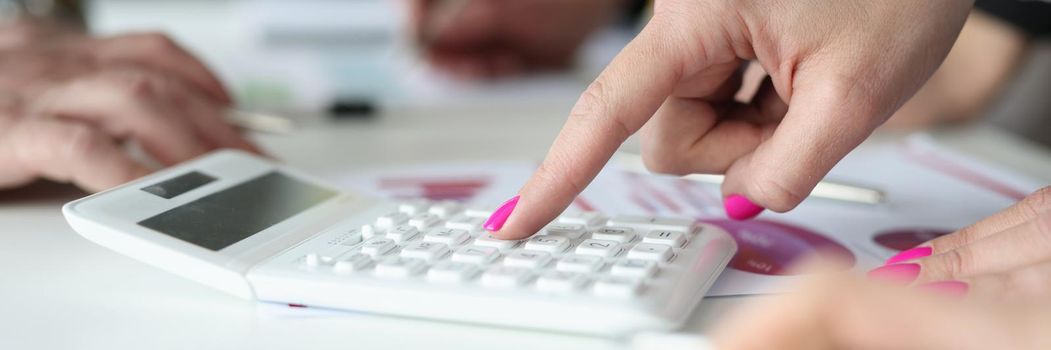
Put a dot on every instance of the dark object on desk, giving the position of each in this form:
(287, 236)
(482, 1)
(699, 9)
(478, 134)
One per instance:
(1032, 17)
(352, 108)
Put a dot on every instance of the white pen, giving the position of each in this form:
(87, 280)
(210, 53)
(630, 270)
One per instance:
(825, 189)
(265, 123)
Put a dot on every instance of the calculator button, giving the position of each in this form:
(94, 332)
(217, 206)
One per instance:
(398, 267)
(527, 258)
(391, 219)
(579, 263)
(444, 209)
(550, 244)
(616, 234)
(634, 268)
(476, 254)
(351, 263)
(478, 212)
(488, 240)
(465, 222)
(586, 218)
(447, 236)
(313, 260)
(571, 231)
(402, 233)
(377, 247)
(649, 223)
(505, 276)
(650, 251)
(560, 281)
(428, 251)
(414, 207)
(613, 286)
(598, 247)
(422, 221)
(452, 272)
(369, 231)
(665, 237)
(325, 256)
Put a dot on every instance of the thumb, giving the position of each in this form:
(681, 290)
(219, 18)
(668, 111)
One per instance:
(824, 122)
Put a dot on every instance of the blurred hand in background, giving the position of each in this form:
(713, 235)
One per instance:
(495, 38)
(69, 101)
(984, 58)
(847, 312)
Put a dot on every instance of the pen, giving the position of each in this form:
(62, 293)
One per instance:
(265, 123)
(825, 189)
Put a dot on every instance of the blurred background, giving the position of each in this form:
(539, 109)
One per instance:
(336, 56)
(333, 55)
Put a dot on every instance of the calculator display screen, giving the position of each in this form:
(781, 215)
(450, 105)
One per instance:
(223, 218)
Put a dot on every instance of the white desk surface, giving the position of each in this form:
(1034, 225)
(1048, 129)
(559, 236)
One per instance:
(59, 291)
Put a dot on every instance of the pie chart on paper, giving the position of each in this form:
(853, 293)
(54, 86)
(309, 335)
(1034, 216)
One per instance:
(769, 247)
(902, 239)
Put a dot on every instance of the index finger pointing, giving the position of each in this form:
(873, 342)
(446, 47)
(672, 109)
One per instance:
(614, 106)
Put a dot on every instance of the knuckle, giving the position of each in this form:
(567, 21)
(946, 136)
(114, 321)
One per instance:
(550, 173)
(1043, 227)
(593, 102)
(956, 262)
(82, 141)
(156, 41)
(862, 96)
(1038, 201)
(956, 239)
(773, 194)
(595, 109)
(133, 84)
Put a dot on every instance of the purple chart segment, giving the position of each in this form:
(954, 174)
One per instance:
(905, 238)
(770, 248)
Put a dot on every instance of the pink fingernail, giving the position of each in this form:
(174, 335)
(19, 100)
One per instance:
(897, 273)
(952, 288)
(740, 208)
(914, 253)
(496, 221)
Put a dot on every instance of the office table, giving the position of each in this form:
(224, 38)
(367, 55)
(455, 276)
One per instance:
(59, 291)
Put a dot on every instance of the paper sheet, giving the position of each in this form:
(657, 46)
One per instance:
(930, 191)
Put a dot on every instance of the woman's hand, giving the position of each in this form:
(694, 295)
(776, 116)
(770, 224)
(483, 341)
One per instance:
(851, 313)
(838, 69)
(1005, 255)
(495, 38)
(68, 102)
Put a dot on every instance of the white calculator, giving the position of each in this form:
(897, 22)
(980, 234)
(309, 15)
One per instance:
(254, 229)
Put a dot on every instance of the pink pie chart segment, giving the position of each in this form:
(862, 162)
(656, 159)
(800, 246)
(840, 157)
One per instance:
(769, 247)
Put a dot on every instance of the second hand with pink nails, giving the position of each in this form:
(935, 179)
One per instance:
(897, 269)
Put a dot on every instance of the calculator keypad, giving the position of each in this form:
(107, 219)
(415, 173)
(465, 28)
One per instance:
(452, 272)
(443, 243)
(476, 254)
(447, 236)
